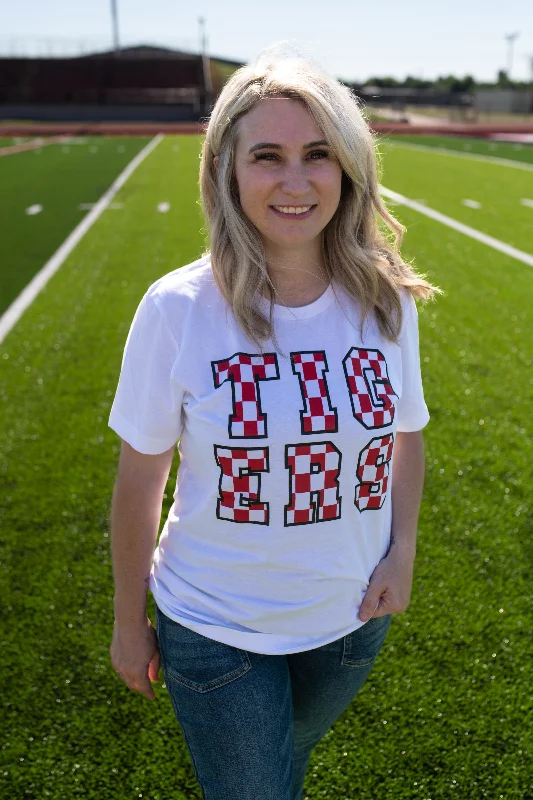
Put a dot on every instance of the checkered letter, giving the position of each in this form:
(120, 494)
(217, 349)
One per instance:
(373, 473)
(370, 390)
(245, 371)
(240, 484)
(313, 483)
(318, 415)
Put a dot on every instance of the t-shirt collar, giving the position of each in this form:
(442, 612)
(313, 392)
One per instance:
(299, 312)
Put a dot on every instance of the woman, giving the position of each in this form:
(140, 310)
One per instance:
(286, 362)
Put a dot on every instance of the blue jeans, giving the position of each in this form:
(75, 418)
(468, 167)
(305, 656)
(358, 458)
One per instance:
(250, 721)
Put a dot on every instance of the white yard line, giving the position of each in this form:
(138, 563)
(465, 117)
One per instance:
(34, 144)
(506, 162)
(30, 292)
(490, 241)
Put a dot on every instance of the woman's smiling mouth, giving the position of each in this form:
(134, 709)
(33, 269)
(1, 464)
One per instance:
(294, 212)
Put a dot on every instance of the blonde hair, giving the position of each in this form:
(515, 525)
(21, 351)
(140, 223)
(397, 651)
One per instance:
(356, 253)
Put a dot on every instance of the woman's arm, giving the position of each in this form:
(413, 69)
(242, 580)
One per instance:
(390, 586)
(407, 485)
(135, 517)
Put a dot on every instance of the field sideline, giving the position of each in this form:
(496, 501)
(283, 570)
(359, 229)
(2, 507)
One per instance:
(446, 711)
(470, 147)
(40, 203)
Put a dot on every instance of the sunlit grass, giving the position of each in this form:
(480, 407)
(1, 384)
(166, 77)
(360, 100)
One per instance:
(444, 183)
(446, 711)
(516, 151)
(60, 178)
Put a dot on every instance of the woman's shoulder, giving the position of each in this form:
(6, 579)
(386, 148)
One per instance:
(189, 282)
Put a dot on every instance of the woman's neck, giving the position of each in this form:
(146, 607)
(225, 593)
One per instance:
(298, 279)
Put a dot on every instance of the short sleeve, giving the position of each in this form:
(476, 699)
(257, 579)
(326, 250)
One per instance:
(411, 409)
(147, 408)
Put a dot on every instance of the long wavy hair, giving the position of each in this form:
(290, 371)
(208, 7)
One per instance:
(357, 253)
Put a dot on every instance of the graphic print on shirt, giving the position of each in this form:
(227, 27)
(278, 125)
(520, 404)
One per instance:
(244, 371)
(314, 470)
(373, 473)
(239, 486)
(371, 392)
(318, 415)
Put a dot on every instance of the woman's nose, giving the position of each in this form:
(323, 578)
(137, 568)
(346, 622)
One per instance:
(295, 180)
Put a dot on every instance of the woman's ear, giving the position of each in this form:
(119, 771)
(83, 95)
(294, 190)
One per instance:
(215, 161)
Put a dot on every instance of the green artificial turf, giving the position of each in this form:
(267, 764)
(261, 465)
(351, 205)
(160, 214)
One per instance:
(59, 177)
(443, 182)
(516, 151)
(9, 141)
(446, 711)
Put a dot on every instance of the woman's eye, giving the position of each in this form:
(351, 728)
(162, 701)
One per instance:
(314, 155)
(265, 156)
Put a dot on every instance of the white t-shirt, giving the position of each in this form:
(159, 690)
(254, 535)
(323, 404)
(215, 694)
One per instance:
(282, 507)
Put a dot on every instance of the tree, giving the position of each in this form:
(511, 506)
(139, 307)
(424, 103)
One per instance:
(416, 83)
(503, 78)
(387, 82)
(466, 84)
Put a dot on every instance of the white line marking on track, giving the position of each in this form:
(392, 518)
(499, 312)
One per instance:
(163, 207)
(490, 241)
(35, 209)
(23, 146)
(525, 201)
(30, 292)
(471, 203)
(116, 206)
(506, 162)
(521, 138)
(86, 206)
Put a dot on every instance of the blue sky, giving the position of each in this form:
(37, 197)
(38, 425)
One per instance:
(352, 40)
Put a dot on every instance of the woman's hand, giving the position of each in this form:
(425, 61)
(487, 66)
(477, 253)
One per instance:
(389, 589)
(135, 656)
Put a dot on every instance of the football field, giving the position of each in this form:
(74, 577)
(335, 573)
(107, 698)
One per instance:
(446, 711)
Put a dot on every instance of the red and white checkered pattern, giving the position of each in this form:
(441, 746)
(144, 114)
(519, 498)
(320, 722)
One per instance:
(240, 484)
(370, 390)
(244, 371)
(314, 486)
(373, 472)
(318, 415)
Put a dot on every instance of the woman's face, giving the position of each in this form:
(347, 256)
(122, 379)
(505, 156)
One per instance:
(288, 179)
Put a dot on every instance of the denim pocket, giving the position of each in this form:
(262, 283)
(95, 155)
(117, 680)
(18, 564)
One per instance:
(194, 661)
(362, 646)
